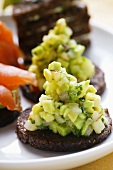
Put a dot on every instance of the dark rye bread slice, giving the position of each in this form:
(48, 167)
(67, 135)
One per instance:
(7, 116)
(48, 141)
(29, 94)
(37, 17)
(97, 80)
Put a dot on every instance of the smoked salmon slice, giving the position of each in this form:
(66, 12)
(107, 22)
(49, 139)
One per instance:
(10, 53)
(6, 98)
(13, 77)
(5, 33)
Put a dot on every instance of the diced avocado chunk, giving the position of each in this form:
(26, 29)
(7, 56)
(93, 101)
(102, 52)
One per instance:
(48, 75)
(63, 130)
(89, 131)
(35, 119)
(82, 116)
(88, 106)
(82, 68)
(85, 127)
(53, 126)
(62, 109)
(79, 122)
(98, 126)
(72, 116)
(84, 86)
(48, 106)
(63, 62)
(54, 66)
(31, 127)
(95, 98)
(59, 118)
(64, 81)
(37, 108)
(46, 116)
(74, 108)
(79, 50)
(91, 89)
(95, 116)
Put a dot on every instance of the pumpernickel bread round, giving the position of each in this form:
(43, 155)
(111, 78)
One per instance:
(98, 81)
(7, 116)
(29, 94)
(48, 141)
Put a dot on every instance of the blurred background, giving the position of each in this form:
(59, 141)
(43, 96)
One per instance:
(101, 11)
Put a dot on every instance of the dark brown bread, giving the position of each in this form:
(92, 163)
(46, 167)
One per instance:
(31, 95)
(34, 18)
(98, 80)
(7, 116)
(49, 141)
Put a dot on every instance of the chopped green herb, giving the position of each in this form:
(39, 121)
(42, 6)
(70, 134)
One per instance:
(82, 99)
(32, 121)
(42, 127)
(78, 93)
(102, 120)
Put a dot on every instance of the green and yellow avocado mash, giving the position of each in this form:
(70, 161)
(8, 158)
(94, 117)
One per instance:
(67, 106)
(58, 46)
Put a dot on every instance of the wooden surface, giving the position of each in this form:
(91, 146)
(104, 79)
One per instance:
(101, 11)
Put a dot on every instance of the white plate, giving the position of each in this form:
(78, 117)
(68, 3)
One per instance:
(15, 155)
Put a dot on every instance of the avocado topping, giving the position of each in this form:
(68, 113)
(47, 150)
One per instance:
(58, 46)
(67, 106)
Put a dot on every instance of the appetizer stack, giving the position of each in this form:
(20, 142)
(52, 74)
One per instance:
(67, 118)
(67, 115)
(10, 80)
(35, 18)
(58, 45)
